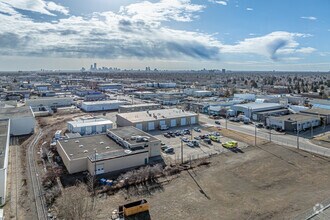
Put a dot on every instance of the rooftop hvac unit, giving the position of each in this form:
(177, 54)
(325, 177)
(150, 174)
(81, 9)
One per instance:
(101, 142)
(77, 141)
(81, 145)
(107, 147)
(85, 151)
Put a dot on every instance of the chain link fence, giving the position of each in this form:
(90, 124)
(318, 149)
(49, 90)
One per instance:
(319, 211)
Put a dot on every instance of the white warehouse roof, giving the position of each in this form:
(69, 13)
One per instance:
(83, 122)
(153, 115)
(256, 106)
(105, 102)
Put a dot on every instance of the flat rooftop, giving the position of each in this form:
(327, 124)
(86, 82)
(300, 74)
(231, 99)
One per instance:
(3, 140)
(272, 111)
(139, 105)
(76, 148)
(254, 105)
(126, 133)
(153, 115)
(104, 102)
(24, 111)
(82, 122)
(317, 111)
(295, 117)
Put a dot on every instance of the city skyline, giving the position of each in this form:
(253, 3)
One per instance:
(165, 34)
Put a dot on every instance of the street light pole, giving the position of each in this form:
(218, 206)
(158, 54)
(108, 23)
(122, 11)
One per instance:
(255, 134)
(226, 119)
(181, 152)
(297, 135)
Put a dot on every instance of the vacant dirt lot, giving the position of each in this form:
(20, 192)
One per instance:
(267, 182)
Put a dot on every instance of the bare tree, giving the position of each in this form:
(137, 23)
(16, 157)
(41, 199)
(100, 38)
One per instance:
(75, 204)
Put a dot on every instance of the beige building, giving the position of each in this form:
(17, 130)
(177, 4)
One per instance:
(119, 149)
(155, 119)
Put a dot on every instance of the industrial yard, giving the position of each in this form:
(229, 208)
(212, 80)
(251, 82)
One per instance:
(265, 182)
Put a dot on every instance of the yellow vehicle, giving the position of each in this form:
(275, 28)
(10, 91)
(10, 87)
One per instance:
(230, 144)
(214, 138)
(134, 208)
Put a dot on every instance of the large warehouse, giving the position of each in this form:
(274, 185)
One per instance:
(155, 119)
(119, 149)
(138, 107)
(4, 154)
(52, 102)
(322, 113)
(102, 105)
(289, 122)
(22, 120)
(250, 108)
(90, 125)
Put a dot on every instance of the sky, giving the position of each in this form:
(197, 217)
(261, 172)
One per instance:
(282, 35)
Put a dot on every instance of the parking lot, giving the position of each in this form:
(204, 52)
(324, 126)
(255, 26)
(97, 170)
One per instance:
(193, 152)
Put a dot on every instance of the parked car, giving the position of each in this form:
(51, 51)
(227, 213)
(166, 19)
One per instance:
(230, 144)
(217, 122)
(167, 135)
(171, 134)
(184, 139)
(259, 125)
(197, 129)
(186, 131)
(177, 133)
(195, 143)
(197, 138)
(214, 138)
(169, 150)
(163, 148)
(208, 141)
(190, 144)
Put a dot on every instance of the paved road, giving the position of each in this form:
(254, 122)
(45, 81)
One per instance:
(278, 138)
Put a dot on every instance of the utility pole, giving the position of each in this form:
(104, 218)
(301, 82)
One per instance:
(297, 136)
(270, 135)
(226, 119)
(255, 135)
(311, 129)
(181, 152)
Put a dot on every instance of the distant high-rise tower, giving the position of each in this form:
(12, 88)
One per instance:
(95, 68)
(223, 71)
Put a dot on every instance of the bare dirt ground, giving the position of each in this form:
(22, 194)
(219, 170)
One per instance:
(265, 182)
(323, 140)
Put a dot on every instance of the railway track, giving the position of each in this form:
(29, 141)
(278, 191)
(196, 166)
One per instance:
(38, 194)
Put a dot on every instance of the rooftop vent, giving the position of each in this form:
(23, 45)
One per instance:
(107, 147)
(85, 151)
(81, 145)
(101, 142)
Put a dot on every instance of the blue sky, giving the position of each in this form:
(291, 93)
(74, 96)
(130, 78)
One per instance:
(165, 34)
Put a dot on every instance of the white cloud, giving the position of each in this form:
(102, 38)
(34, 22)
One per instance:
(271, 45)
(311, 18)
(164, 10)
(136, 31)
(249, 9)
(39, 6)
(219, 2)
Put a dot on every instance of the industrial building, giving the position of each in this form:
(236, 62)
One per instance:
(155, 119)
(138, 107)
(22, 120)
(322, 113)
(119, 149)
(109, 86)
(4, 156)
(102, 105)
(292, 122)
(250, 108)
(91, 125)
(52, 102)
